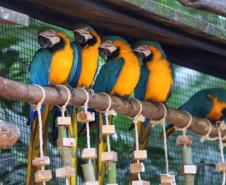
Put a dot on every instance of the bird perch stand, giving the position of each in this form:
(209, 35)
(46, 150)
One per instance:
(9, 134)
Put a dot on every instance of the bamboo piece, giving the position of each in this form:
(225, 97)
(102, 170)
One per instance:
(88, 172)
(111, 173)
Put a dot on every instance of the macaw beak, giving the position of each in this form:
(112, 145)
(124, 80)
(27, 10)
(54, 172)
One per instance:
(142, 51)
(107, 48)
(48, 39)
(82, 35)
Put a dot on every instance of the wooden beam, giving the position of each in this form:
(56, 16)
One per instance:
(115, 20)
(217, 6)
(200, 60)
(32, 94)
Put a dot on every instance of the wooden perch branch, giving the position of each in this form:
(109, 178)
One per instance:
(32, 94)
(213, 6)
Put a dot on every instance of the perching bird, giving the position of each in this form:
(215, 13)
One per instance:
(51, 65)
(86, 44)
(156, 81)
(118, 76)
(207, 103)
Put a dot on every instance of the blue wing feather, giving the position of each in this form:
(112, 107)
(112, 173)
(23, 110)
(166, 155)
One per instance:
(108, 75)
(77, 65)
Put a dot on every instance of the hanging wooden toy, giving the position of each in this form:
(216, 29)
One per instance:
(139, 155)
(42, 175)
(188, 169)
(221, 166)
(166, 178)
(64, 143)
(88, 153)
(109, 157)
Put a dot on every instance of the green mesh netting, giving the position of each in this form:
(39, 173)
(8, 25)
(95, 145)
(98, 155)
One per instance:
(17, 47)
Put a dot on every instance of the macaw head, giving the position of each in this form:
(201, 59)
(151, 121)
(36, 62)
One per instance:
(52, 40)
(112, 46)
(148, 51)
(85, 35)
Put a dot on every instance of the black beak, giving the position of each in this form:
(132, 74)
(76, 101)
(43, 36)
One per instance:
(107, 48)
(82, 35)
(142, 52)
(48, 39)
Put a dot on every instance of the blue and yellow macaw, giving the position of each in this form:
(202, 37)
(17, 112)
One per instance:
(118, 76)
(86, 44)
(50, 65)
(208, 104)
(156, 81)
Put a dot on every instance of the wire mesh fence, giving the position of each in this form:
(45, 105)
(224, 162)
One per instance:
(17, 47)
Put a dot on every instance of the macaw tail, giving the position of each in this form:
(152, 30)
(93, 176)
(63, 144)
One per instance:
(33, 147)
(169, 130)
(144, 131)
(101, 147)
(73, 132)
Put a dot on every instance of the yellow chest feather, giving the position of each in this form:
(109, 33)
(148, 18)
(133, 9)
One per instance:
(129, 75)
(216, 112)
(160, 81)
(89, 66)
(61, 65)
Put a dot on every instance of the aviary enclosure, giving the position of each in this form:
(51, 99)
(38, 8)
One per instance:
(18, 45)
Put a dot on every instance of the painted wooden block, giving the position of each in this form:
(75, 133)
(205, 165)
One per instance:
(84, 117)
(167, 179)
(141, 182)
(89, 153)
(109, 156)
(38, 161)
(137, 168)
(184, 140)
(66, 142)
(65, 172)
(91, 183)
(63, 121)
(140, 155)
(43, 176)
(108, 129)
(221, 166)
(188, 170)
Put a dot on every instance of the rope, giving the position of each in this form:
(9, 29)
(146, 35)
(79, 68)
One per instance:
(163, 123)
(185, 128)
(38, 107)
(221, 152)
(137, 118)
(63, 109)
(207, 135)
(85, 106)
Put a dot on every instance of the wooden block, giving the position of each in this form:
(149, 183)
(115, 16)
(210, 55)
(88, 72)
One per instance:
(167, 178)
(109, 156)
(38, 161)
(86, 117)
(66, 142)
(43, 176)
(140, 155)
(108, 129)
(141, 182)
(188, 170)
(65, 172)
(137, 168)
(221, 167)
(89, 153)
(184, 140)
(63, 121)
(91, 183)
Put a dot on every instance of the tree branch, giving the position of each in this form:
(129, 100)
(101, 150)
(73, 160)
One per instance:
(217, 6)
(32, 94)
